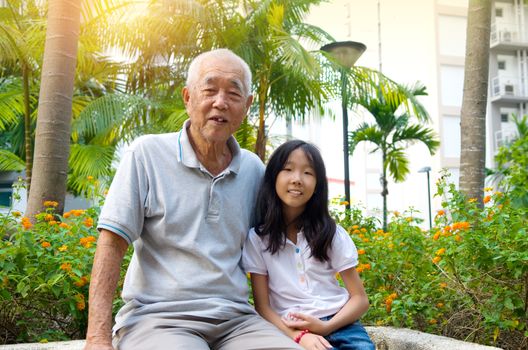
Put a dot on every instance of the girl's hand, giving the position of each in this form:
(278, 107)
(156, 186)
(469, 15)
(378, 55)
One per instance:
(311, 341)
(302, 321)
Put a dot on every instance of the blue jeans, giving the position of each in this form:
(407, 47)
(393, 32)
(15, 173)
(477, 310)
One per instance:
(351, 337)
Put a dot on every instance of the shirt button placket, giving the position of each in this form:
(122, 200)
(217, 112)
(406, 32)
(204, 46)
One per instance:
(300, 268)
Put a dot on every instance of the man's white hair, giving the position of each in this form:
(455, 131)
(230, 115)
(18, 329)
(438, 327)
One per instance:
(196, 63)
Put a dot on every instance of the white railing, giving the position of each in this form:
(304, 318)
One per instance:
(504, 33)
(505, 86)
(503, 137)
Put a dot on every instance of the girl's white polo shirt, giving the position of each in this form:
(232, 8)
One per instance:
(297, 281)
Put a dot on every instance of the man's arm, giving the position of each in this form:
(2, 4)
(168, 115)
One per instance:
(109, 254)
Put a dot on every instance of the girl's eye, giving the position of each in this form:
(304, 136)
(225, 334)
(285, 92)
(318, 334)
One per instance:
(308, 173)
(286, 169)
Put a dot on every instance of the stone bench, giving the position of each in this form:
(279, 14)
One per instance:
(386, 338)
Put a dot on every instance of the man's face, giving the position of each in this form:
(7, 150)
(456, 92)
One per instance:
(216, 101)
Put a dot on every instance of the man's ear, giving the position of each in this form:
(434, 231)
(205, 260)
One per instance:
(185, 95)
(249, 101)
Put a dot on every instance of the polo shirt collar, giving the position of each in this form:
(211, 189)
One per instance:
(187, 156)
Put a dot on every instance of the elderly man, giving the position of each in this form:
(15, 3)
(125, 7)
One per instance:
(184, 200)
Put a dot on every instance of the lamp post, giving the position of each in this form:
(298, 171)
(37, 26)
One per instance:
(345, 53)
(427, 169)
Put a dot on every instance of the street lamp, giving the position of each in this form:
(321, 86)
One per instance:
(427, 169)
(345, 53)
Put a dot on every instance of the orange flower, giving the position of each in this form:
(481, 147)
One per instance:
(356, 232)
(443, 285)
(64, 225)
(440, 305)
(366, 240)
(48, 217)
(486, 199)
(440, 212)
(366, 266)
(433, 321)
(436, 236)
(67, 214)
(52, 223)
(45, 244)
(88, 222)
(77, 212)
(87, 241)
(364, 230)
(458, 238)
(51, 204)
(437, 259)
(447, 228)
(355, 227)
(81, 282)
(66, 266)
(361, 251)
(393, 296)
(396, 213)
(440, 251)
(81, 305)
(26, 223)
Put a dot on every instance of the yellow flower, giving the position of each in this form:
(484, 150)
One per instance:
(364, 230)
(440, 251)
(488, 189)
(16, 214)
(396, 213)
(355, 227)
(51, 204)
(433, 321)
(52, 222)
(458, 238)
(437, 259)
(45, 244)
(63, 248)
(409, 219)
(48, 217)
(66, 266)
(472, 200)
(90, 178)
(440, 305)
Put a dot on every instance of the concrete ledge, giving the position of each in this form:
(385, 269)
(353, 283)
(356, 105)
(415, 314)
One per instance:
(385, 338)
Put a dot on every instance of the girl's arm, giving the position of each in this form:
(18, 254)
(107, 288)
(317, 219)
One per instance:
(259, 284)
(354, 308)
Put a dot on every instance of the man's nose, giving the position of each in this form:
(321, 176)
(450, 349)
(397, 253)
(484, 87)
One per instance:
(220, 101)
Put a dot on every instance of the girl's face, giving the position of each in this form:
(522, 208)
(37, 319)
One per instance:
(295, 184)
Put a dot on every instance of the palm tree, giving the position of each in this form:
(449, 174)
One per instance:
(287, 78)
(393, 107)
(473, 113)
(52, 138)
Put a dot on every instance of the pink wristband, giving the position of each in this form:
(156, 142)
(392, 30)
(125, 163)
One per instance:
(300, 335)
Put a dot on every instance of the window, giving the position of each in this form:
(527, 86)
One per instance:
(498, 12)
(6, 191)
(502, 65)
(508, 89)
(504, 117)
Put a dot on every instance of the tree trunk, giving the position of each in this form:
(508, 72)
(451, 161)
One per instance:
(260, 146)
(385, 190)
(473, 114)
(28, 141)
(52, 139)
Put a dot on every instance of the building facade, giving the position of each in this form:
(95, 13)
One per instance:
(421, 40)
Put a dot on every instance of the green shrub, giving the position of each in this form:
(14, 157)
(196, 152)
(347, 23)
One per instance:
(467, 278)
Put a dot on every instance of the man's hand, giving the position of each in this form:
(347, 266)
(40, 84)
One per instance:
(302, 321)
(311, 341)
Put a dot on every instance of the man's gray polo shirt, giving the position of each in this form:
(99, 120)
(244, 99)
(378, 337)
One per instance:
(187, 228)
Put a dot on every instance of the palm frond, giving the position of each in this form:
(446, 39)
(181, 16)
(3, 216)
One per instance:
(398, 164)
(10, 161)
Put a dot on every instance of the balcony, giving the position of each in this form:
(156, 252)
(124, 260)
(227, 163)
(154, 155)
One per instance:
(508, 89)
(506, 38)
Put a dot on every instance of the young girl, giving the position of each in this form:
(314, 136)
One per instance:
(295, 251)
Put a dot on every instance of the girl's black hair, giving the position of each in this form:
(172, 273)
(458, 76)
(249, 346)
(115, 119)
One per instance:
(315, 221)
